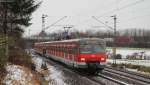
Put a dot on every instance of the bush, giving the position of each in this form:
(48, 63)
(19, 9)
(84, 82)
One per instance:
(138, 67)
(133, 66)
(144, 68)
(118, 56)
(114, 65)
(2, 58)
(19, 57)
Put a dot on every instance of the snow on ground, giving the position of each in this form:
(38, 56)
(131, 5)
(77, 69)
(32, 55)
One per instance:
(133, 62)
(55, 76)
(19, 75)
(128, 51)
(52, 75)
(38, 63)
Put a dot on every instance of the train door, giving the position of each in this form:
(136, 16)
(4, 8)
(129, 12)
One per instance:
(76, 54)
(44, 51)
(70, 56)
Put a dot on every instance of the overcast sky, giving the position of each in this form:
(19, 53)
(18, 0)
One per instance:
(130, 14)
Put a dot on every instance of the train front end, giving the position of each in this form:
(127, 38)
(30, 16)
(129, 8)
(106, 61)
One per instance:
(92, 55)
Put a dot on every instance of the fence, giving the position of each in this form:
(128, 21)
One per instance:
(3, 44)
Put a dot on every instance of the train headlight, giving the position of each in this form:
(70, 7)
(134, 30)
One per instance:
(82, 59)
(102, 59)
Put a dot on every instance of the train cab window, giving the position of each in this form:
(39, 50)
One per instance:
(92, 49)
(92, 46)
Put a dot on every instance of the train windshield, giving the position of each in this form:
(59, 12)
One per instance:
(92, 47)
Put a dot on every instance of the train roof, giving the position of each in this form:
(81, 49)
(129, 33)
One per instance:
(72, 40)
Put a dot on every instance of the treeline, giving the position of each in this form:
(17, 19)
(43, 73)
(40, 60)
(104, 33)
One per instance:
(140, 37)
(133, 37)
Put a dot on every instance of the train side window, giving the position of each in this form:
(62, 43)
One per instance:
(74, 50)
(66, 50)
(69, 51)
(62, 49)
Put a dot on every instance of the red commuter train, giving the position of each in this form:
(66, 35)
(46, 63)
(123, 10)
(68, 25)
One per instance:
(84, 53)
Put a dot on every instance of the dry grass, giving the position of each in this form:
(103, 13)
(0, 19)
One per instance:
(138, 67)
(2, 74)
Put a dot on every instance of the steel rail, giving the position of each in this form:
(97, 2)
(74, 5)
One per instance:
(130, 72)
(112, 79)
(127, 77)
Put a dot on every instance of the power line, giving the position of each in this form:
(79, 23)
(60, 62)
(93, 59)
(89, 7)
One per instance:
(134, 18)
(104, 7)
(132, 4)
(102, 22)
(124, 7)
(55, 22)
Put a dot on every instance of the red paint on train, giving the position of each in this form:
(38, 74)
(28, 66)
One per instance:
(92, 57)
(78, 53)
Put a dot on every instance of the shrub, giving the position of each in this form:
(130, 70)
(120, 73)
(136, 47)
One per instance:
(2, 64)
(114, 65)
(19, 57)
(118, 56)
(138, 67)
(144, 68)
(2, 58)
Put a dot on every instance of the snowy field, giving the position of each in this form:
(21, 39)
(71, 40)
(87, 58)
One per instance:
(128, 52)
(134, 62)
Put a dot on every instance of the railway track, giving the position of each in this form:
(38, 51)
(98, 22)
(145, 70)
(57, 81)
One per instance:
(130, 72)
(107, 80)
(113, 80)
(127, 77)
(98, 79)
(109, 76)
(102, 79)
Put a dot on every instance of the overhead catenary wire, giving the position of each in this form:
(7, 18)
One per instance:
(102, 23)
(55, 23)
(126, 6)
(133, 18)
(121, 8)
(119, 1)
